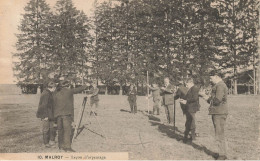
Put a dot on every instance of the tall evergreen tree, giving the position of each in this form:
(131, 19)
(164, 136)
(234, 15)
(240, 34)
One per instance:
(71, 40)
(33, 44)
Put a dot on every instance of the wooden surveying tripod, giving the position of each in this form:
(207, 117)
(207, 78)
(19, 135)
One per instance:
(78, 129)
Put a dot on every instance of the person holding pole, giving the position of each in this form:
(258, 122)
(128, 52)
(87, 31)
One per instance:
(64, 112)
(168, 100)
(218, 110)
(132, 99)
(156, 97)
(191, 101)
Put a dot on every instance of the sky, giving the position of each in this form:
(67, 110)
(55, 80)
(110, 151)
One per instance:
(10, 17)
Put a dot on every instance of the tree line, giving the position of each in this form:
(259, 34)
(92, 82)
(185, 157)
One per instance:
(126, 38)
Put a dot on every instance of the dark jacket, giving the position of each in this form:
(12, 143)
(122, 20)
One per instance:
(192, 98)
(64, 101)
(155, 93)
(181, 93)
(218, 99)
(132, 95)
(94, 93)
(167, 95)
(45, 108)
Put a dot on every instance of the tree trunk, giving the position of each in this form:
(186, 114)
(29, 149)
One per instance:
(106, 90)
(121, 90)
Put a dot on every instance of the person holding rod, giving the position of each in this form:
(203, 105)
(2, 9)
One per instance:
(168, 99)
(218, 110)
(191, 101)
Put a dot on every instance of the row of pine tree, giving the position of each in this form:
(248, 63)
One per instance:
(124, 39)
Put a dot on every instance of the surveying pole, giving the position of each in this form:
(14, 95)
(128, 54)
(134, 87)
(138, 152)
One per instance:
(147, 77)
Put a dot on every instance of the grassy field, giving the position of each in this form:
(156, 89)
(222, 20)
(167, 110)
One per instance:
(143, 136)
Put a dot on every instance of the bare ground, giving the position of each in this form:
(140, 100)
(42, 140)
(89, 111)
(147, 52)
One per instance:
(143, 136)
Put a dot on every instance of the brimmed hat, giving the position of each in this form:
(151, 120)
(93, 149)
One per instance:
(217, 73)
(51, 84)
(64, 83)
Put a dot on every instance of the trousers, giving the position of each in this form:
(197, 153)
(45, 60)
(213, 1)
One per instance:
(65, 131)
(48, 130)
(219, 122)
(133, 106)
(156, 105)
(169, 113)
(190, 125)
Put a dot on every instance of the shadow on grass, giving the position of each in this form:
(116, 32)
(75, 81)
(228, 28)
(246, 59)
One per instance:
(169, 131)
(123, 110)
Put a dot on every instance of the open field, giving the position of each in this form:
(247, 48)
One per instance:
(142, 136)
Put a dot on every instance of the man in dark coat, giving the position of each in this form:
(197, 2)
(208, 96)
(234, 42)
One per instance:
(191, 102)
(64, 112)
(181, 94)
(219, 111)
(45, 113)
(132, 99)
(168, 99)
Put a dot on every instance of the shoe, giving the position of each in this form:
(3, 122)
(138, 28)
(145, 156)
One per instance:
(69, 150)
(95, 113)
(47, 145)
(91, 113)
(186, 140)
(221, 157)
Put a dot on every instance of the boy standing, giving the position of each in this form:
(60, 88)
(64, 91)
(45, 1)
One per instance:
(156, 97)
(132, 99)
(94, 99)
(45, 113)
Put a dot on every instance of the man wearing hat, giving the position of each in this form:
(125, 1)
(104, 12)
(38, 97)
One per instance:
(64, 112)
(180, 94)
(219, 110)
(168, 99)
(45, 113)
(191, 102)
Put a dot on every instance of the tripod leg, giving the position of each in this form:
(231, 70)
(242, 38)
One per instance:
(100, 126)
(80, 115)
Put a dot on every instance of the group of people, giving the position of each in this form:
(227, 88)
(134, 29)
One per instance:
(56, 110)
(188, 95)
(56, 107)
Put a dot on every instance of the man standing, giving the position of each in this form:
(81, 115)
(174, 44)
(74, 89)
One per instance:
(191, 101)
(45, 112)
(219, 111)
(181, 94)
(132, 99)
(93, 95)
(64, 112)
(156, 97)
(168, 99)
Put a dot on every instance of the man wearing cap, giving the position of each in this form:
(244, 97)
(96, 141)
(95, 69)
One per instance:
(180, 94)
(191, 101)
(168, 99)
(219, 111)
(45, 113)
(64, 112)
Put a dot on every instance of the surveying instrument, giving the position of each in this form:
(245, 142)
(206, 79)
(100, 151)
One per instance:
(79, 128)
